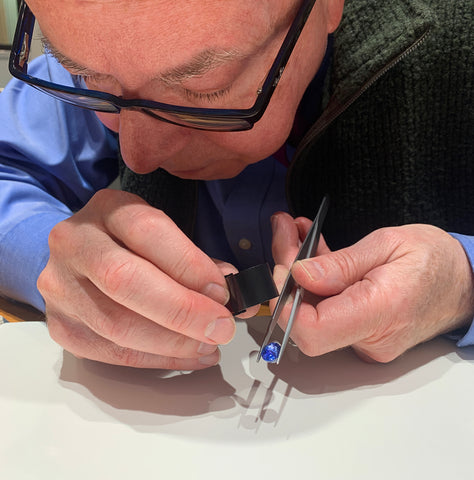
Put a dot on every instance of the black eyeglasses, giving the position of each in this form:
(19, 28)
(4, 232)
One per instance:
(225, 120)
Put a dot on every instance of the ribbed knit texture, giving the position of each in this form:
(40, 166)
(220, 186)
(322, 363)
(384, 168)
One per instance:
(400, 153)
(403, 151)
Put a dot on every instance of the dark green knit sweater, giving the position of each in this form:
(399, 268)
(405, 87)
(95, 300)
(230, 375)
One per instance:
(394, 144)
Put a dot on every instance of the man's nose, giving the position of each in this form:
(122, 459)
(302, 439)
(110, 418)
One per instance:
(146, 142)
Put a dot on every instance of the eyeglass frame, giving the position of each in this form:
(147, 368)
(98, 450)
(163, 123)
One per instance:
(18, 66)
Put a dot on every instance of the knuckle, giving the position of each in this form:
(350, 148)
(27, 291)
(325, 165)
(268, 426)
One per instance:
(179, 345)
(185, 263)
(117, 276)
(68, 242)
(103, 196)
(366, 296)
(113, 328)
(52, 285)
(156, 224)
(345, 263)
(171, 363)
(143, 223)
(59, 237)
(387, 234)
(389, 237)
(47, 283)
(181, 314)
(128, 357)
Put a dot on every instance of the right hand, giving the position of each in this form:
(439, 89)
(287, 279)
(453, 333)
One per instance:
(125, 286)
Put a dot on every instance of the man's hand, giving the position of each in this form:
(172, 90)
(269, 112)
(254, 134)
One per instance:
(125, 286)
(395, 288)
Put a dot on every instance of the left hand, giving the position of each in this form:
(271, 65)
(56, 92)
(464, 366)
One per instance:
(393, 289)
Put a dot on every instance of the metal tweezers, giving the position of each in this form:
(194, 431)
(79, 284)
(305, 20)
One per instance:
(307, 250)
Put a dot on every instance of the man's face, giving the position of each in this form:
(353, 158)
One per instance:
(202, 53)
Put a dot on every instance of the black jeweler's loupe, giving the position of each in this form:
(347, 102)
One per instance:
(250, 287)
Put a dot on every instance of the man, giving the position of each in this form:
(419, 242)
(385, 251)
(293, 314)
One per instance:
(379, 114)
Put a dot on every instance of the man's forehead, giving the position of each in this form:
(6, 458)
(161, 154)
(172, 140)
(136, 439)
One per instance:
(199, 5)
(98, 2)
(172, 33)
(181, 12)
(205, 7)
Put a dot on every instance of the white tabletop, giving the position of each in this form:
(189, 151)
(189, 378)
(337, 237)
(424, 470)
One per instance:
(332, 417)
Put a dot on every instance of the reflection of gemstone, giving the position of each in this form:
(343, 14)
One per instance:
(271, 352)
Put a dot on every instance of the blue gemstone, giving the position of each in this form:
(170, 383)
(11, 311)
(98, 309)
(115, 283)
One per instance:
(271, 352)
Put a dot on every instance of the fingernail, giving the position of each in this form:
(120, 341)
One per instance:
(312, 269)
(217, 292)
(221, 331)
(206, 348)
(210, 360)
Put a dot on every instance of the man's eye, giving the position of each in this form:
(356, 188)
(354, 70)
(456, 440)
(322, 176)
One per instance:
(207, 97)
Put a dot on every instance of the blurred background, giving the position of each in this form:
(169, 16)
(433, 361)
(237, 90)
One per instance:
(8, 19)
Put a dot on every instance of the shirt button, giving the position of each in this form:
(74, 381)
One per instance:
(245, 244)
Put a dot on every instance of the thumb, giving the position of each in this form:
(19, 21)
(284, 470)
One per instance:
(331, 273)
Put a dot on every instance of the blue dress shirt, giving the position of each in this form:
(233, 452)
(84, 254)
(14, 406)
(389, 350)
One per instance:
(54, 157)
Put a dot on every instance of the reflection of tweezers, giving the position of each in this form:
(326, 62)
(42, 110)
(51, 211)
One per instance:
(272, 351)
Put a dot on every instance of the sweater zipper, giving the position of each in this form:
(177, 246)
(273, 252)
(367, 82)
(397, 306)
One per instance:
(338, 110)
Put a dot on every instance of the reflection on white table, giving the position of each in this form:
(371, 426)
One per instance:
(332, 417)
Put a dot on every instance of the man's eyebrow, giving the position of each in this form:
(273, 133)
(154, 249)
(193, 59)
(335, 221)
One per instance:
(200, 64)
(65, 61)
(197, 66)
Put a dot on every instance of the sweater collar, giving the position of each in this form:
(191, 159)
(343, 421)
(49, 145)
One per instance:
(373, 37)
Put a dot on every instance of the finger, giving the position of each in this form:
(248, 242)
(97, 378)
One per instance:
(331, 273)
(304, 225)
(285, 241)
(126, 328)
(280, 272)
(138, 285)
(84, 343)
(152, 235)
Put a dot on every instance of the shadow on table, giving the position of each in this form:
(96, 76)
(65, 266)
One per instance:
(343, 370)
(217, 389)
